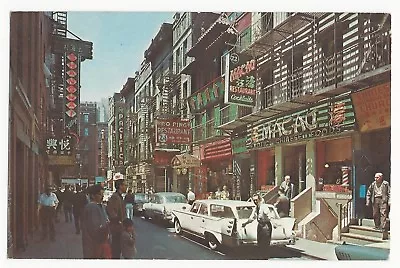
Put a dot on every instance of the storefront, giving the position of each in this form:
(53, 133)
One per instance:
(240, 169)
(373, 147)
(314, 141)
(216, 158)
(185, 167)
(163, 171)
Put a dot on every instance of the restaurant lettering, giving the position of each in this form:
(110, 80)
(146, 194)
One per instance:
(323, 120)
(173, 131)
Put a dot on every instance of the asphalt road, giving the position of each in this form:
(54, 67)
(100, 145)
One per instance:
(158, 241)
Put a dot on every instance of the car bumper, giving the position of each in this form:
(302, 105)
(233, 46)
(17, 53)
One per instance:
(281, 242)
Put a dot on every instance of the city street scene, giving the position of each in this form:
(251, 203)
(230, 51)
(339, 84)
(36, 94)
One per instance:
(199, 136)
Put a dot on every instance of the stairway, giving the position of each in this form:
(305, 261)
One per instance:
(363, 234)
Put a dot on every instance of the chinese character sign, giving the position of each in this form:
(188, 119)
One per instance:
(242, 81)
(60, 146)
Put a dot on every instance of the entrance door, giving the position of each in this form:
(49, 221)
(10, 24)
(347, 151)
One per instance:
(295, 166)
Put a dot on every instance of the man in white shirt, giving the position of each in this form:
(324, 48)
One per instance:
(190, 196)
(48, 203)
(264, 227)
(287, 187)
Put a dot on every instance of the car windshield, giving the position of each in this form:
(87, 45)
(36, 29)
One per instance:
(175, 199)
(244, 212)
(141, 197)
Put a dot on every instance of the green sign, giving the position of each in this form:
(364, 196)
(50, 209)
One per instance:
(208, 95)
(326, 119)
(239, 145)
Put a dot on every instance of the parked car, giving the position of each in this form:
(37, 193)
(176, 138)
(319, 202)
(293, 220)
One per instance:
(219, 222)
(140, 199)
(161, 204)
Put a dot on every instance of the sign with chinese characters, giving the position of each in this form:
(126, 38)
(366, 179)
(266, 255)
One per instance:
(60, 146)
(242, 81)
(173, 131)
(71, 92)
(208, 95)
(372, 107)
(239, 145)
(326, 119)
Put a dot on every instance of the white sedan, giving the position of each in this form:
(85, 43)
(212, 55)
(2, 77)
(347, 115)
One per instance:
(161, 204)
(219, 222)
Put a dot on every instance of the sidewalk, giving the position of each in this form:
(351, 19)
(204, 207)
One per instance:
(314, 249)
(68, 245)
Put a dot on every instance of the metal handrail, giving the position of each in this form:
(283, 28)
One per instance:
(345, 216)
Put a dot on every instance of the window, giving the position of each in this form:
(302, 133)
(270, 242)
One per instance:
(244, 212)
(203, 209)
(86, 118)
(86, 132)
(195, 207)
(184, 48)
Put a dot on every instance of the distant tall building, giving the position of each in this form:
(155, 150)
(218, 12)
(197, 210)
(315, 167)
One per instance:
(88, 141)
(103, 110)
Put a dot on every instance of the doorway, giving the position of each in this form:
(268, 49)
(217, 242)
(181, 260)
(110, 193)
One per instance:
(295, 166)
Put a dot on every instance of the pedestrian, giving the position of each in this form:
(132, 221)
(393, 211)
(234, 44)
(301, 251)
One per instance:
(282, 204)
(48, 203)
(217, 194)
(264, 227)
(79, 201)
(95, 225)
(287, 187)
(224, 193)
(378, 195)
(68, 198)
(59, 193)
(190, 196)
(128, 238)
(116, 213)
(129, 200)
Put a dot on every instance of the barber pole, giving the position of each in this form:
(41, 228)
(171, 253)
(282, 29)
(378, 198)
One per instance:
(345, 176)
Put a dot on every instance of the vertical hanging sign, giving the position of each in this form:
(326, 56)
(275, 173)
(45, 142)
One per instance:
(242, 80)
(71, 93)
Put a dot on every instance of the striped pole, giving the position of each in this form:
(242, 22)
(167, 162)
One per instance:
(345, 176)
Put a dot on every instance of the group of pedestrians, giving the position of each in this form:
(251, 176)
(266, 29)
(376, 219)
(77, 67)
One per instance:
(107, 230)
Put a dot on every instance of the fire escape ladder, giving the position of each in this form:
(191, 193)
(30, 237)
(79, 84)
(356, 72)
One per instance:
(370, 52)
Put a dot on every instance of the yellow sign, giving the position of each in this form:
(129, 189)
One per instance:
(372, 107)
(61, 160)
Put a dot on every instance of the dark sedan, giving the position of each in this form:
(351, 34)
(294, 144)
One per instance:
(140, 199)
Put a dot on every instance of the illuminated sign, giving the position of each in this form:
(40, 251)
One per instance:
(71, 92)
(242, 81)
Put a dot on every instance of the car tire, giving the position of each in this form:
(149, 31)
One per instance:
(212, 242)
(145, 215)
(177, 227)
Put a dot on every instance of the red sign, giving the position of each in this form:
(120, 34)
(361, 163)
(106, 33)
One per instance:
(163, 158)
(218, 149)
(173, 131)
(372, 107)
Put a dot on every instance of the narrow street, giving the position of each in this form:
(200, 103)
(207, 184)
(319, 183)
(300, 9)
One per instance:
(153, 241)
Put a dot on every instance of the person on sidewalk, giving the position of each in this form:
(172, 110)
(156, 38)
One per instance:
(378, 195)
(190, 196)
(129, 200)
(68, 199)
(48, 203)
(264, 227)
(79, 202)
(225, 193)
(217, 194)
(95, 224)
(128, 238)
(287, 187)
(282, 204)
(60, 195)
(116, 214)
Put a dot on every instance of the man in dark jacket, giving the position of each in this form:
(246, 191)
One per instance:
(116, 213)
(129, 201)
(378, 194)
(79, 201)
(282, 204)
(68, 196)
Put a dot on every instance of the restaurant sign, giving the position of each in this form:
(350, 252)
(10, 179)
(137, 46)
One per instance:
(217, 149)
(173, 131)
(326, 119)
(372, 107)
(208, 95)
(242, 80)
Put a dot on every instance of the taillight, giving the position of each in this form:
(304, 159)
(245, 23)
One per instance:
(234, 229)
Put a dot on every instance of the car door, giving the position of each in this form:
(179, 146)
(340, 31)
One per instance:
(204, 218)
(228, 224)
(193, 220)
(281, 227)
(157, 206)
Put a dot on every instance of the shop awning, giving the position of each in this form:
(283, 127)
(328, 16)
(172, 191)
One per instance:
(185, 161)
